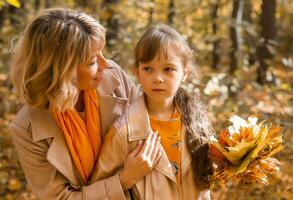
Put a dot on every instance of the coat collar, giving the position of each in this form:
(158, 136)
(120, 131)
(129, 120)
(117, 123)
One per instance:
(138, 125)
(44, 126)
(108, 84)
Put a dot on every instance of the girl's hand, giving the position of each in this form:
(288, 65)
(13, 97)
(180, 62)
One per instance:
(141, 160)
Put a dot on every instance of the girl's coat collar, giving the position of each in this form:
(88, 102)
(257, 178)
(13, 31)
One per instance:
(138, 126)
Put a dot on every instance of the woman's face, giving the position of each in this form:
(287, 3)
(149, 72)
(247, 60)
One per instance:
(90, 73)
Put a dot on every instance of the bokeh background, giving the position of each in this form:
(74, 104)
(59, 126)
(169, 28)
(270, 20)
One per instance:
(243, 49)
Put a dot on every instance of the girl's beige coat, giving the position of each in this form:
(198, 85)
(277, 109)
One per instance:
(43, 152)
(160, 183)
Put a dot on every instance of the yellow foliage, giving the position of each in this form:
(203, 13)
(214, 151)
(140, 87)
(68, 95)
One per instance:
(14, 3)
(248, 146)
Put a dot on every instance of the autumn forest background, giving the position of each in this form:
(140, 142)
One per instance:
(243, 50)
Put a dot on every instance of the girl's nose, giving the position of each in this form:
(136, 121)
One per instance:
(158, 79)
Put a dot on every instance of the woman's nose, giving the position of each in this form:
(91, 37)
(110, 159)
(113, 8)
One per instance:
(103, 63)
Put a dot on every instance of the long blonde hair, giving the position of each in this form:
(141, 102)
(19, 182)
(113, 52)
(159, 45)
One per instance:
(46, 56)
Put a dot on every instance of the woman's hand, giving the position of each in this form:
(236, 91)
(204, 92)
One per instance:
(141, 160)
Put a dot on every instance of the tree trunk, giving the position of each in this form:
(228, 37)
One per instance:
(112, 20)
(48, 3)
(250, 39)
(268, 33)
(235, 34)
(216, 41)
(171, 12)
(151, 16)
(37, 4)
(3, 12)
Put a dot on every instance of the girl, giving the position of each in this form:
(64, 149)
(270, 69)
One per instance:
(71, 94)
(162, 61)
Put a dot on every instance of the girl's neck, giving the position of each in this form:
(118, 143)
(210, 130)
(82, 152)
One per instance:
(160, 110)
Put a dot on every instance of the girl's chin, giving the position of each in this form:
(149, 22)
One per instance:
(159, 98)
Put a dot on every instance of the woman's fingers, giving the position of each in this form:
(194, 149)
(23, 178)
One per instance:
(147, 144)
(158, 156)
(152, 144)
(156, 150)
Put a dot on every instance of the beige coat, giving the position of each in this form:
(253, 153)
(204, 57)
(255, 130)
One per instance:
(43, 152)
(160, 183)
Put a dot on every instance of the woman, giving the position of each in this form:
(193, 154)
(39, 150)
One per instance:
(71, 96)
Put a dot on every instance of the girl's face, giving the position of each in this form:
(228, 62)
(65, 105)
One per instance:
(90, 73)
(161, 77)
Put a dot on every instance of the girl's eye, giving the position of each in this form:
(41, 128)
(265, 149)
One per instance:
(169, 69)
(147, 69)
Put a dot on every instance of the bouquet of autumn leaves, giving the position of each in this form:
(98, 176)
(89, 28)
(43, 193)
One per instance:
(244, 151)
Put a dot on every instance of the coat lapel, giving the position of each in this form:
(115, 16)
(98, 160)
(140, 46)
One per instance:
(185, 155)
(45, 127)
(111, 107)
(138, 128)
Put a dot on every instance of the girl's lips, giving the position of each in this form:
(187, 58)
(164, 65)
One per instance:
(158, 90)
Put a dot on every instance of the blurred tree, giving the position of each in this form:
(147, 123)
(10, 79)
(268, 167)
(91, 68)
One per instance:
(235, 34)
(3, 11)
(171, 12)
(152, 10)
(214, 15)
(249, 36)
(37, 4)
(268, 33)
(112, 19)
(48, 3)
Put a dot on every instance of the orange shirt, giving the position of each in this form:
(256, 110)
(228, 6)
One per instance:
(170, 132)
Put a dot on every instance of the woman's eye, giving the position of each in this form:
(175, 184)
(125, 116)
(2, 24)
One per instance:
(93, 63)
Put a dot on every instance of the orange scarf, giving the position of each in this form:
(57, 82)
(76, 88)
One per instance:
(83, 137)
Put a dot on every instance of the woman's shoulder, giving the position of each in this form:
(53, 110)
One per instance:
(113, 68)
(22, 118)
(134, 118)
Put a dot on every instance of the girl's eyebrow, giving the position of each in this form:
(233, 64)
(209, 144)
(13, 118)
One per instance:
(170, 63)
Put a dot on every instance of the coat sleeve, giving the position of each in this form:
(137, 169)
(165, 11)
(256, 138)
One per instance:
(48, 183)
(112, 155)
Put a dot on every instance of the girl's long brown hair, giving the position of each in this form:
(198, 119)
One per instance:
(193, 112)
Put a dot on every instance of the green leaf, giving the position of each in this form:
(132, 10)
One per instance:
(14, 3)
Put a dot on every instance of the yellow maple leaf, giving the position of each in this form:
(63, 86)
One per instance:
(14, 3)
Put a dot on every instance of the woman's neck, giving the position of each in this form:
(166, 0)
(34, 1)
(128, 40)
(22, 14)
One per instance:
(79, 106)
(160, 110)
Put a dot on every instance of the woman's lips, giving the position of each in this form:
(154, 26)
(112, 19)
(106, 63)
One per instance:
(99, 78)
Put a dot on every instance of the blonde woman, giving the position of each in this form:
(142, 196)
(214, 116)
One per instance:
(71, 95)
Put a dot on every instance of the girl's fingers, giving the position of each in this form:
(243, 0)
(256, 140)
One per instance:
(136, 150)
